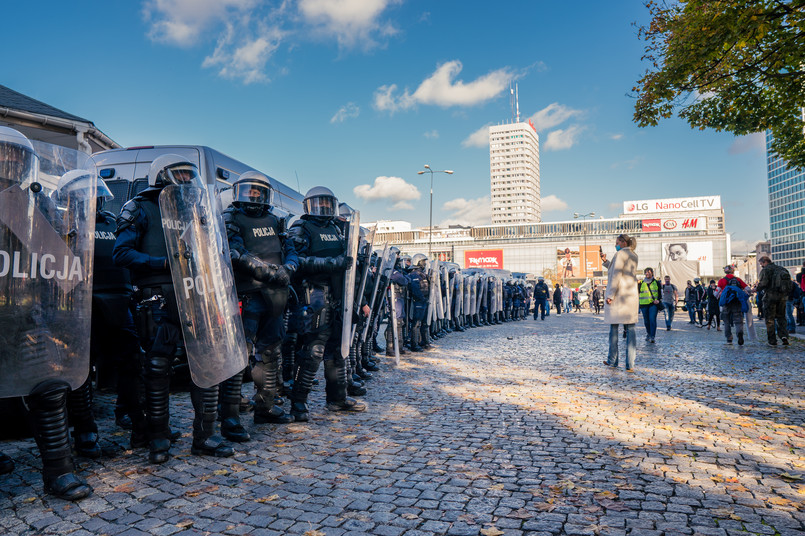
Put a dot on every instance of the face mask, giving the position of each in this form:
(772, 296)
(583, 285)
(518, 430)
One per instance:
(617, 247)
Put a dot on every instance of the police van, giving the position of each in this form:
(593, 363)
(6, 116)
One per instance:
(125, 172)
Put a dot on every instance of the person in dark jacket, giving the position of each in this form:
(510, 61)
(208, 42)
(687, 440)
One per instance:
(557, 298)
(713, 309)
(541, 292)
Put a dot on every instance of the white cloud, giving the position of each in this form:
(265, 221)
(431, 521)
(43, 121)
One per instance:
(615, 206)
(351, 22)
(388, 188)
(563, 138)
(553, 115)
(468, 211)
(183, 22)
(431, 135)
(479, 138)
(349, 111)
(753, 143)
(402, 205)
(442, 89)
(241, 56)
(742, 247)
(616, 137)
(552, 203)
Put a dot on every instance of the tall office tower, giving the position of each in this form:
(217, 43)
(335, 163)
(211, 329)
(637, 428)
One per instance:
(786, 202)
(514, 173)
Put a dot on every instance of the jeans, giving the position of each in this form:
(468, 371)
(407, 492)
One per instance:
(631, 346)
(691, 305)
(669, 313)
(650, 319)
(774, 309)
(733, 318)
(566, 305)
(789, 317)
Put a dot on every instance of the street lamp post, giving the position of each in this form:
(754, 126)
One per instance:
(430, 224)
(584, 217)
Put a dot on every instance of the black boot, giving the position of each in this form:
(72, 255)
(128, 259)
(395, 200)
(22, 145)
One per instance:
(229, 409)
(264, 374)
(205, 442)
(336, 387)
(157, 399)
(48, 404)
(311, 357)
(85, 430)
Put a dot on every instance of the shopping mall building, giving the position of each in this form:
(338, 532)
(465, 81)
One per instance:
(680, 236)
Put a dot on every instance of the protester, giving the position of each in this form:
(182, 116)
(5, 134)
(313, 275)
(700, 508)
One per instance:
(649, 300)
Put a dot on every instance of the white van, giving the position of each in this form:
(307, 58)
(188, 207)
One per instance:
(125, 171)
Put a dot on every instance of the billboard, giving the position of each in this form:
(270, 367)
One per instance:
(676, 204)
(658, 225)
(485, 258)
(578, 261)
(690, 251)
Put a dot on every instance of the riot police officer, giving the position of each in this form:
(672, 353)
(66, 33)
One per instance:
(44, 320)
(319, 284)
(141, 247)
(263, 260)
(419, 289)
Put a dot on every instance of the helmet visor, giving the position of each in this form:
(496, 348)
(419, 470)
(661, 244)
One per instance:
(181, 174)
(252, 192)
(322, 205)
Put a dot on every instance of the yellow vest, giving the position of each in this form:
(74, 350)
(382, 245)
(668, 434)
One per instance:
(645, 294)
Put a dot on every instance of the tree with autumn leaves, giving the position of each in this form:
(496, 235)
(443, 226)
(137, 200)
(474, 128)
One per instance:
(734, 65)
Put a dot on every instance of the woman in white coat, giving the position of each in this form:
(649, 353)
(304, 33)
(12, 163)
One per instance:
(621, 299)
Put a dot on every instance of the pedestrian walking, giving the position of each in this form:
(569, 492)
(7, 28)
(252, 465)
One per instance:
(775, 282)
(649, 299)
(713, 308)
(621, 299)
(734, 302)
(595, 299)
(670, 296)
(557, 298)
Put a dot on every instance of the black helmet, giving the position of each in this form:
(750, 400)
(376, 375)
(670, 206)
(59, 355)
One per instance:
(320, 201)
(252, 192)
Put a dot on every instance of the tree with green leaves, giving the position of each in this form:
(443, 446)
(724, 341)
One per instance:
(734, 65)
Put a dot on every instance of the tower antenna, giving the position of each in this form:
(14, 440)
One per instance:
(517, 100)
(511, 99)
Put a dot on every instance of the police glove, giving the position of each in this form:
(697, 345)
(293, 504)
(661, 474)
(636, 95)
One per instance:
(257, 268)
(281, 277)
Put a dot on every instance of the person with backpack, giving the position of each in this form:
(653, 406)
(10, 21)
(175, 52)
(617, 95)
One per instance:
(775, 282)
(734, 302)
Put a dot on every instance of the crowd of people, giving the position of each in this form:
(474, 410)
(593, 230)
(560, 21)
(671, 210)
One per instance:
(232, 294)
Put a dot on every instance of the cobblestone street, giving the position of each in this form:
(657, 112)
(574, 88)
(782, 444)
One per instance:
(517, 429)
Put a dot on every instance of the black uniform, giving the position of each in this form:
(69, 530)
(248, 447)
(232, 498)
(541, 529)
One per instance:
(141, 248)
(263, 261)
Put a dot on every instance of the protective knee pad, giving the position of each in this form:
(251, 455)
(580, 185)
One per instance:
(79, 408)
(157, 393)
(48, 405)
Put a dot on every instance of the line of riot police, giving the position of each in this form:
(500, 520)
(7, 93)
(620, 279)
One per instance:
(232, 291)
(427, 300)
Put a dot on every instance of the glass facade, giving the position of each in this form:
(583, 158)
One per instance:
(786, 210)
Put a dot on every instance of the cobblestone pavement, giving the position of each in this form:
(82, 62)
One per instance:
(517, 429)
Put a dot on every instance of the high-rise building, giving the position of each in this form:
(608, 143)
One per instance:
(514, 173)
(786, 210)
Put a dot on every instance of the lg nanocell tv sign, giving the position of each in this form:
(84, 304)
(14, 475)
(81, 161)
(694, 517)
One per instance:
(487, 258)
(679, 204)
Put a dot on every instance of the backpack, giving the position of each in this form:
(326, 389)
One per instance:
(781, 281)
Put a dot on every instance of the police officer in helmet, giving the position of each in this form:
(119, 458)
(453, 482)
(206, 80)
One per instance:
(263, 260)
(141, 247)
(319, 284)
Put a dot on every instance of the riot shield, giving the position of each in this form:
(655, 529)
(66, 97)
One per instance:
(465, 306)
(362, 282)
(348, 296)
(447, 293)
(46, 251)
(393, 324)
(380, 260)
(203, 283)
(473, 287)
(437, 279)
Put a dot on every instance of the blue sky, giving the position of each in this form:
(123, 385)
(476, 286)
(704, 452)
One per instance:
(358, 94)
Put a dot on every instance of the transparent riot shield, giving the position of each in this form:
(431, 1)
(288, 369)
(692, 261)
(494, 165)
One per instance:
(348, 296)
(393, 324)
(203, 283)
(447, 293)
(372, 303)
(46, 248)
